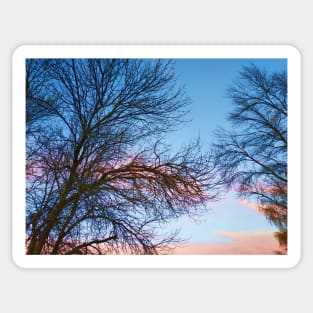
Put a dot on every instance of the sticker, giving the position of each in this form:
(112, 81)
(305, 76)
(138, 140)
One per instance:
(156, 156)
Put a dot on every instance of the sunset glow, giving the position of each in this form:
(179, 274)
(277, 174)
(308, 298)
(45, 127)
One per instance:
(240, 243)
(134, 156)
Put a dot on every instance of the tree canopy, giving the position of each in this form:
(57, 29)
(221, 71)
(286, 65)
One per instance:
(99, 177)
(252, 157)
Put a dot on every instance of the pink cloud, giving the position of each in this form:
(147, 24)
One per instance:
(251, 205)
(242, 243)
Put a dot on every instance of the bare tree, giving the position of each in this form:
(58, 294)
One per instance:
(252, 158)
(99, 178)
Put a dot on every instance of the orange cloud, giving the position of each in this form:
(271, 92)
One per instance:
(242, 243)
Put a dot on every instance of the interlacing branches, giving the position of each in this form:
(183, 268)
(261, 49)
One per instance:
(99, 178)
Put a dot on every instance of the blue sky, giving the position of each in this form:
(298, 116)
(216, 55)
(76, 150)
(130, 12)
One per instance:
(205, 82)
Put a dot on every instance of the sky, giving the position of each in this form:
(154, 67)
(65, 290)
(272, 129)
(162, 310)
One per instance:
(205, 82)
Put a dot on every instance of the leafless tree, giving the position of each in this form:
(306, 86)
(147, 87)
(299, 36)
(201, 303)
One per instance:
(99, 177)
(252, 157)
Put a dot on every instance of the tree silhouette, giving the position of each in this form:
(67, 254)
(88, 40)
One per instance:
(252, 158)
(99, 178)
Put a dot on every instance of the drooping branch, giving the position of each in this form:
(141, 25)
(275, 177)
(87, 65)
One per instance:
(98, 173)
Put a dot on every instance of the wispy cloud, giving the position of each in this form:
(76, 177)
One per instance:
(251, 205)
(241, 243)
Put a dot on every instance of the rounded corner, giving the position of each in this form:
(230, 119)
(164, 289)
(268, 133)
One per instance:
(19, 51)
(294, 50)
(294, 262)
(17, 262)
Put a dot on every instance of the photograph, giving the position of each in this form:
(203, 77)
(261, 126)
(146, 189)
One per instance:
(156, 152)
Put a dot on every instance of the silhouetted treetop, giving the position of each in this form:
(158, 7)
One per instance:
(99, 178)
(252, 157)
